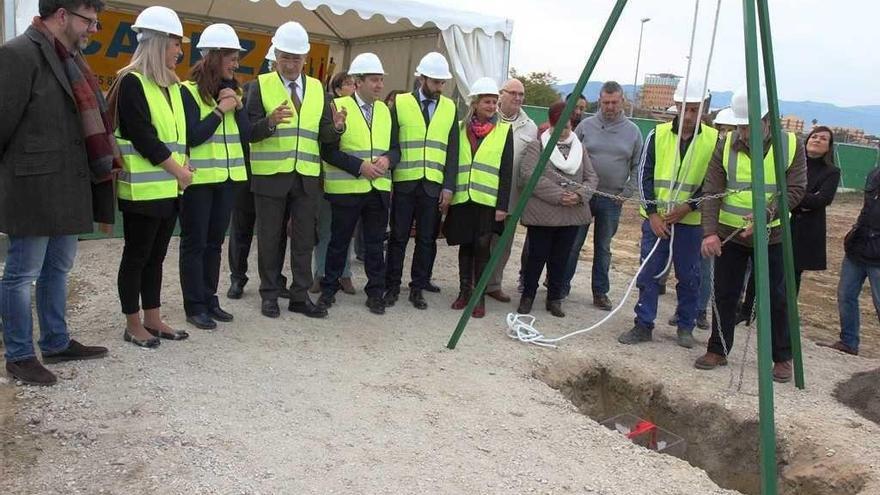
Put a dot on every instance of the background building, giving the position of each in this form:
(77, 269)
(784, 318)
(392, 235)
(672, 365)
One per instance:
(792, 123)
(657, 91)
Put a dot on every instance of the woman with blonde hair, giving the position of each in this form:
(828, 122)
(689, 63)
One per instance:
(479, 204)
(151, 129)
(217, 127)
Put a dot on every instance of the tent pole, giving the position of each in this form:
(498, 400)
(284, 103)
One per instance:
(510, 224)
(794, 324)
(760, 256)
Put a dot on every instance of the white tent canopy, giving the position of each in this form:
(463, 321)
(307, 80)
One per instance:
(399, 31)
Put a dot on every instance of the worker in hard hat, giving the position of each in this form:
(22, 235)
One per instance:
(482, 192)
(217, 125)
(729, 172)
(244, 218)
(673, 165)
(424, 180)
(357, 181)
(290, 117)
(152, 136)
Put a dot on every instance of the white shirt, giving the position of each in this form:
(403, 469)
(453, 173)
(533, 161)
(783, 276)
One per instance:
(299, 85)
(432, 105)
(368, 114)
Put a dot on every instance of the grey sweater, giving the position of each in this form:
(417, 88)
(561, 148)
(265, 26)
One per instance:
(614, 147)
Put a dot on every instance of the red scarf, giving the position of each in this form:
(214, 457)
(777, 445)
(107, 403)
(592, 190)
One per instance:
(101, 146)
(477, 130)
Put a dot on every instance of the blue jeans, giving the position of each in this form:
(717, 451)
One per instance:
(852, 277)
(606, 217)
(686, 261)
(46, 260)
(705, 283)
(320, 255)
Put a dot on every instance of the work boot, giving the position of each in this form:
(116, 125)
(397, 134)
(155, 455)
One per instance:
(685, 338)
(601, 301)
(782, 372)
(525, 305)
(710, 361)
(635, 335)
(555, 308)
(30, 372)
(702, 320)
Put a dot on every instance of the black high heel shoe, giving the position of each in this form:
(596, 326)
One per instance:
(150, 343)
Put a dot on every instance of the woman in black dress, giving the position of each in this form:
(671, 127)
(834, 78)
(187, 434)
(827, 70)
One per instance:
(482, 190)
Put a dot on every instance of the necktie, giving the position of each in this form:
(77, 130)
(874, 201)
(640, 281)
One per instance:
(368, 113)
(426, 104)
(297, 103)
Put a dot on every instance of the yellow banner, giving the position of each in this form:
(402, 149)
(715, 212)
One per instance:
(112, 48)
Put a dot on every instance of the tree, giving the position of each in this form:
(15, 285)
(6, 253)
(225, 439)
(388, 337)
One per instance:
(539, 87)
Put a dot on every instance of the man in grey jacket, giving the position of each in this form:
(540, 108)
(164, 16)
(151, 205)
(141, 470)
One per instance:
(524, 132)
(54, 179)
(614, 143)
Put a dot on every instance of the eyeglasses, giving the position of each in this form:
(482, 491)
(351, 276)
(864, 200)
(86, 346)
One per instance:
(515, 94)
(93, 23)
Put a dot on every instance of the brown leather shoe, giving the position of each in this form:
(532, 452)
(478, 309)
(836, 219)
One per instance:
(316, 286)
(839, 346)
(782, 372)
(499, 295)
(76, 352)
(30, 372)
(602, 302)
(710, 361)
(347, 286)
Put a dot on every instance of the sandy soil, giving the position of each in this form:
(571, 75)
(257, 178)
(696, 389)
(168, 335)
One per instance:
(358, 403)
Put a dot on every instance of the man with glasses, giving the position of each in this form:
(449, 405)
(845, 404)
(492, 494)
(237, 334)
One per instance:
(56, 155)
(524, 132)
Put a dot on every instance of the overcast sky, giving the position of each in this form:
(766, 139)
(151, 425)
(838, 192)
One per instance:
(824, 50)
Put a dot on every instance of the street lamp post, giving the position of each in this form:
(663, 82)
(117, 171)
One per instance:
(632, 106)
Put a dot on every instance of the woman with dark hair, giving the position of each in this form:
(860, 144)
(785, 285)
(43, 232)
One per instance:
(808, 217)
(389, 99)
(217, 126)
(559, 205)
(342, 84)
(479, 205)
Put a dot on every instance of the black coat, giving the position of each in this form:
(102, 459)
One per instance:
(808, 231)
(45, 189)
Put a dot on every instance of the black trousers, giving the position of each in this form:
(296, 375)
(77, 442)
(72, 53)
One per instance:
(302, 209)
(372, 212)
(729, 281)
(140, 271)
(405, 207)
(241, 236)
(204, 217)
(548, 246)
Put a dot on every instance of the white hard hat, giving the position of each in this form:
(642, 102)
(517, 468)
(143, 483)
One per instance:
(433, 65)
(725, 117)
(672, 109)
(218, 36)
(291, 37)
(270, 55)
(739, 103)
(484, 86)
(695, 86)
(160, 19)
(366, 63)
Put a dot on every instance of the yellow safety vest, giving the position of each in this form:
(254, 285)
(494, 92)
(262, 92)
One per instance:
(221, 157)
(738, 166)
(668, 166)
(140, 180)
(478, 175)
(361, 140)
(294, 145)
(422, 148)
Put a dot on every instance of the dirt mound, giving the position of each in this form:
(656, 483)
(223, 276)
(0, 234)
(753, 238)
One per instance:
(862, 393)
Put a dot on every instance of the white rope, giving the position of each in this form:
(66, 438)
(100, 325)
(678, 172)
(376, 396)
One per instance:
(521, 327)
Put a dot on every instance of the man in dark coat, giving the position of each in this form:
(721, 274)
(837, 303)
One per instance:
(54, 179)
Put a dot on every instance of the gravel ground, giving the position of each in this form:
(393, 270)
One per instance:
(358, 403)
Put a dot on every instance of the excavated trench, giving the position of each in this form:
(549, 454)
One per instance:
(725, 446)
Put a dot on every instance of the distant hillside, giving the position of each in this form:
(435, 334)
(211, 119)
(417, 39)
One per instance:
(866, 117)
